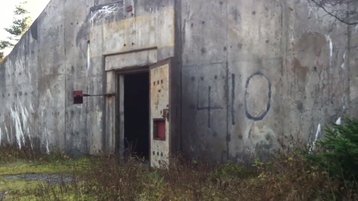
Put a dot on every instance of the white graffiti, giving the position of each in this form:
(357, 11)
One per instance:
(88, 56)
(318, 132)
(7, 134)
(339, 121)
(344, 60)
(329, 39)
(312, 11)
(104, 12)
(19, 133)
(45, 141)
(20, 122)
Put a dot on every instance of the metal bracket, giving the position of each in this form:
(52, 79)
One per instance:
(78, 96)
(107, 95)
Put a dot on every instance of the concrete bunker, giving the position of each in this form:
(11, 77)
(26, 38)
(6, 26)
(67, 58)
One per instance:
(218, 93)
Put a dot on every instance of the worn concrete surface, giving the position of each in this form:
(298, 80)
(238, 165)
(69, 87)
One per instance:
(247, 77)
(65, 50)
(259, 76)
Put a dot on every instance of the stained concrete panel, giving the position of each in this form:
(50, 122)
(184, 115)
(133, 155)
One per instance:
(254, 29)
(202, 43)
(286, 72)
(131, 59)
(315, 84)
(204, 111)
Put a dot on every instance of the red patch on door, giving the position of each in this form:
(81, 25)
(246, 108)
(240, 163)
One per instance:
(159, 129)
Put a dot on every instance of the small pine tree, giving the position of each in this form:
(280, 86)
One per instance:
(19, 26)
(339, 150)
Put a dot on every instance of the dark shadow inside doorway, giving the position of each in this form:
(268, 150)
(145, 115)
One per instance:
(136, 114)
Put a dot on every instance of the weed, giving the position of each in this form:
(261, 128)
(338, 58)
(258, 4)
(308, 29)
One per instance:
(289, 176)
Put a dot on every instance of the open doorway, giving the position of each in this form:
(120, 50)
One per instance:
(136, 114)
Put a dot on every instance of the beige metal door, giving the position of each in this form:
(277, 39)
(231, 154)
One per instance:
(159, 116)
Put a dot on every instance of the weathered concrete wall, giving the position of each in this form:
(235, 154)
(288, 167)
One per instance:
(247, 77)
(65, 50)
(260, 75)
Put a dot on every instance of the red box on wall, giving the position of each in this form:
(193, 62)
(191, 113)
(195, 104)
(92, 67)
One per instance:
(77, 97)
(159, 129)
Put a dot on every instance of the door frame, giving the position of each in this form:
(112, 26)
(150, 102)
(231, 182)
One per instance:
(119, 124)
(112, 140)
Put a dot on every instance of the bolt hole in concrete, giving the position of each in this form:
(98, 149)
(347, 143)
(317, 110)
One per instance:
(136, 114)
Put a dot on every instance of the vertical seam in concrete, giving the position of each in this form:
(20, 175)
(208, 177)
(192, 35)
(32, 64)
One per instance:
(116, 114)
(178, 50)
(284, 49)
(105, 99)
(104, 116)
(39, 65)
(348, 59)
(233, 88)
(86, 104)
(209, 107)
(64, 42)
(228, 136)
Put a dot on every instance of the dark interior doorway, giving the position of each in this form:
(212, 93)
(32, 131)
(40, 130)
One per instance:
(136, 114)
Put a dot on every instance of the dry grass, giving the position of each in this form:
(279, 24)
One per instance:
(288, 177)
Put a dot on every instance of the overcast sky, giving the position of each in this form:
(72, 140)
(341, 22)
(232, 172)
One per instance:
(7, 9)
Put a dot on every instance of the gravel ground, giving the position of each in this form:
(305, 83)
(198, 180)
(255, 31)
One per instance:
(48, 178)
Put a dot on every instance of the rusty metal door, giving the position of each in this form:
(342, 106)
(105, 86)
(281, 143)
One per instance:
(159, 115)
